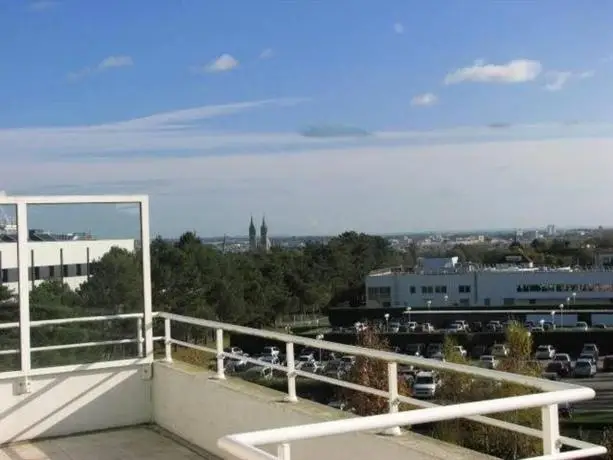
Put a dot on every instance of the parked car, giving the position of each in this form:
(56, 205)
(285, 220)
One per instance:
(607, 364)
(393, 328)
(588, 356)
(584, 368)
(478, 350)
(562, 357)
(425, 385)
(426, 327)
(488, 361)
(545, 352)
(271, 350)
(581, 326)
(433, 348)
(565, 410)
(454, 328)
(590, 348)
(500, 350)
(560, 368)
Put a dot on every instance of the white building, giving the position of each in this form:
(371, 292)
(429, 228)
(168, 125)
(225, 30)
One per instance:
(441, 283)
(55, 257)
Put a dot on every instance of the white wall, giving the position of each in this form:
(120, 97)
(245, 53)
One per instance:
(55, 253)
(200, 410)
(72, 403)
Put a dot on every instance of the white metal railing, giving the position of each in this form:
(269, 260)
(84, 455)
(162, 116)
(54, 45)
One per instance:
(245, 446)
(138, 338)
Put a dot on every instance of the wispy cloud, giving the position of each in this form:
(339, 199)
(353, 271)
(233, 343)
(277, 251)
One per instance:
(267, 53)
(515, 71)
(424, 100)
(398, 28)
(110, 62)
(42, 5)
(223, 63)
(557, 79)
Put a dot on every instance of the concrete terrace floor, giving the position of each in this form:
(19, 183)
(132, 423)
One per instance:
(139, 443)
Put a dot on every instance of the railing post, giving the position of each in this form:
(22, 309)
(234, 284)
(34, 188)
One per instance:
(291, 373)
(167, 341)
(392, 388)
(551, 429)
(139, 337)
(284, 452)
(220, 357)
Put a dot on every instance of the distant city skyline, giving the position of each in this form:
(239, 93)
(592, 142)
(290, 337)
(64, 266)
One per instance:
(390, 127)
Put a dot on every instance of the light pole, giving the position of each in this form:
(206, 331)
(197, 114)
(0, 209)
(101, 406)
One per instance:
(561, 315)
(429, 304)
(407, 312)
(542, 323)
(446, 299)
(553, 319)
(319, 337)
(387, 318)
(574, 296)
(567, 302)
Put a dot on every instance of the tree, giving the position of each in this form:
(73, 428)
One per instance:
(456, 388)
(371, 373)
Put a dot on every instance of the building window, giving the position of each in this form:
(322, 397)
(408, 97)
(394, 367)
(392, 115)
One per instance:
(412, 290)
(487, 301)
(532, 302)
(65, 270)
(51, 271)
(440, 289)
(36, 273)
(464, 289)
(79, 269)
(507, 302)
(5, 275)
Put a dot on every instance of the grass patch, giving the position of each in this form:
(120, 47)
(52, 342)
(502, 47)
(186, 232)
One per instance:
(600, 418)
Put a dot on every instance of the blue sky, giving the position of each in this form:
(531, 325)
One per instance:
(480, 114)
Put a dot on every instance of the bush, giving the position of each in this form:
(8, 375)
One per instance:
(457, 388)
(371, 373)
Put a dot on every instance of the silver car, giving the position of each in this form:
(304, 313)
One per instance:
(584, 368)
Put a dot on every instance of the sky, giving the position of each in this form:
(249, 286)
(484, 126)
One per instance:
(372, 116)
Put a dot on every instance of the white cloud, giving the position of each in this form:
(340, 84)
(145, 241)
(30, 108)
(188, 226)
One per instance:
(424, 100)
(267, 53)
(515, 71)
(141, 155)
(399, 28)
(557, 79)
(115, 61)
(110, 62)
(223, 63)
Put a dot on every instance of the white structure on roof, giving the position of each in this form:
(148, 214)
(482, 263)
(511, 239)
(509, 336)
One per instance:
(69, 261)
(445, 283)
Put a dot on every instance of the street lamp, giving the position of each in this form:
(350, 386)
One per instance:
(387, 318)
(429, 304)
(574, 296)
(561, 315)
(542, 323)
(407, 312)
(553, 319)
(567, 301)
(319, 337)
(446, 299)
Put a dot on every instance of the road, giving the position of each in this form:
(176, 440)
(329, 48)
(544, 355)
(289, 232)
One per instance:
(603, 384)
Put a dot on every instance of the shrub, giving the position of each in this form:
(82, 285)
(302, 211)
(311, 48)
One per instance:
(371, 373)
(457, 388)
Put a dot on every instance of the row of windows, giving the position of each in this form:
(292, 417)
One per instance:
(565, 288)
(462, 289)
(379, 292)
(11, 275)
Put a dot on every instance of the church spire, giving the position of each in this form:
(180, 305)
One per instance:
(264, 241)
(253, 243)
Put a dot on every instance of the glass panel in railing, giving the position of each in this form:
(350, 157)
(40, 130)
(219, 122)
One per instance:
(85, 262)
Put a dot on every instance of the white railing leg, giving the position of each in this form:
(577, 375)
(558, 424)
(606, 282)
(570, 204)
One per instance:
(291, 373)
(284, 452)
(220, 357)
(140, 341)
(394, 403)
(167, 341)
(551, 429)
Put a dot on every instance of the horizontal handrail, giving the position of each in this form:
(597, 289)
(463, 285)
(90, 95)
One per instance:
(244, 445)
(541, 384)
(80, 319)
